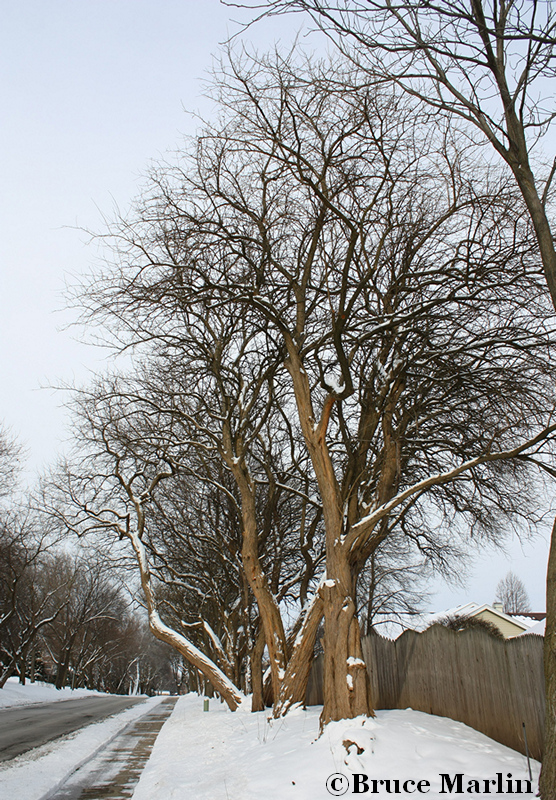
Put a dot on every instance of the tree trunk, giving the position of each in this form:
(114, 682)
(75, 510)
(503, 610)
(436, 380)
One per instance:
(269, 611)
(547, 782)
(32, 663)
(256, 659)
(293, 688)
(6, 672)
(63, 667)
(164, 633)
(22, 669)
(346, 683)
(526, 182)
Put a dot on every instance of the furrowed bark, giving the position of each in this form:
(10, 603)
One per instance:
(547, 781)
(346, 685)
(256, 655)
(293, 687)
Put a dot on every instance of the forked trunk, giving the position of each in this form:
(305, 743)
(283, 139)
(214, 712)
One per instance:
(346, 685)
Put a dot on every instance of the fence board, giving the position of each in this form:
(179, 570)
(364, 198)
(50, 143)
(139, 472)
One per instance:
(492, 685)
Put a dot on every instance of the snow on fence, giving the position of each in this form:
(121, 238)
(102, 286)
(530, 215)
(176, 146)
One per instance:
(493, 685)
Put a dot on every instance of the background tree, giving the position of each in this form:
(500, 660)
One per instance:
(87, 626)
(32, 593)
(391, 587)
(10, 463)
(63, 618)
(512, 593)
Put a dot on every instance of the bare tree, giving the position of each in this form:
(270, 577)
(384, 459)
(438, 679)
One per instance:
(112, 496)
(512, 593)
(307, 215)
(77, 638)
(10, 462)
(31, 596)
(391, 587)
(482, 61)
(489, 64)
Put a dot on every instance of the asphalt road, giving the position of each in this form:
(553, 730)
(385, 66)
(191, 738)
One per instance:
(116, 769)
(25, 727)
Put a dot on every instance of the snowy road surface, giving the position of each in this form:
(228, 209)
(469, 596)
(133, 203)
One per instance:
(23, 728)
(39, 773)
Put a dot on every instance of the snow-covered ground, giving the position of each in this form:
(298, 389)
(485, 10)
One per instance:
(37, 774)
(13, 694)
(219, 755)
(223, 756)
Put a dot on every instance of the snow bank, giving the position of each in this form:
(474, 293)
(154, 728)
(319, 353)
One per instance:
(249, 756)
(37, 774)
(14, 694)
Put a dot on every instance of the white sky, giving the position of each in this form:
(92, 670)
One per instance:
(90, 91)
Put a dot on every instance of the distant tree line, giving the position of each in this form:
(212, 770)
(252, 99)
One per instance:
(64, 617)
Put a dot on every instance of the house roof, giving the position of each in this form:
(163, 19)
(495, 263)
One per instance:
(419, 622)
(473, 609)
(537, 628)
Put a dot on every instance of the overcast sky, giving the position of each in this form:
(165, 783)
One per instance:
(90, 92)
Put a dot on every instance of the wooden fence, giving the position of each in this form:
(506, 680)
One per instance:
(493, 685)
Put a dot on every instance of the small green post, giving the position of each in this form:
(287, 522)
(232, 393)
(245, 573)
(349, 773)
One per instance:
(205, 704)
